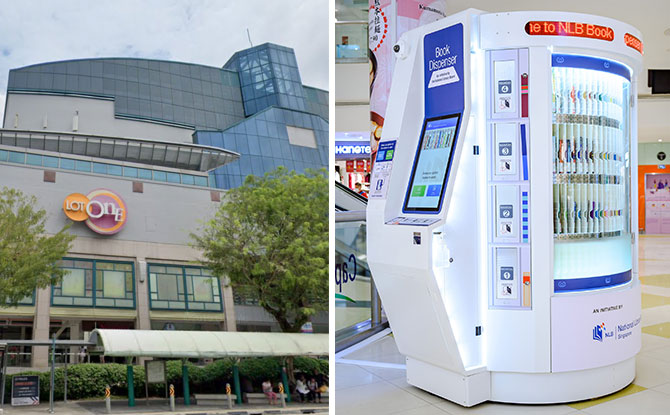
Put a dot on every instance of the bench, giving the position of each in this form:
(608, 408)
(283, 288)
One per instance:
(214, 399)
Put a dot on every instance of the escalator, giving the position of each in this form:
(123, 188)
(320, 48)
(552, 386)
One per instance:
(348, 200)
(358, 311)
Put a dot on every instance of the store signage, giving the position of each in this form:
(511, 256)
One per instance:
(350, 166)
(633, 42)
(342, 275)
(555, 28)
(25, 390)
(102, 210)
(351, 149)
(360, 165)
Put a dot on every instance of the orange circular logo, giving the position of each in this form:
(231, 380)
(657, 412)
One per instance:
(74, 207)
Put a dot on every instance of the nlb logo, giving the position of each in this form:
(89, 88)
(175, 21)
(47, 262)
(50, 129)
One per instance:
(600, 332)
(103, 210)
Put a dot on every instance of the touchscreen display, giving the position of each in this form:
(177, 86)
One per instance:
(431, 165)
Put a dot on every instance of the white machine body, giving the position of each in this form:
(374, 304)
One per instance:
(500, 215)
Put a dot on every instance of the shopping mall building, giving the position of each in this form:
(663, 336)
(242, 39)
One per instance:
(134, 155)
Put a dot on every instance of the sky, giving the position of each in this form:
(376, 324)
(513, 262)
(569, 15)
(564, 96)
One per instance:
(207, 32)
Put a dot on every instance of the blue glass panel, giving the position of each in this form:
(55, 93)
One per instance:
(173, 177)
(130, 172)
(16, 157)
(114, 170)
(99, 168)
(83, 165)
(187, 179)
(144, 174)
(67, 164)
(201, 181)
(160, 176)
(3, 155)
(34, 160)
(254, 145)
(47, 161)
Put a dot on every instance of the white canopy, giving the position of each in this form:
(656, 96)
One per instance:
(206, 344)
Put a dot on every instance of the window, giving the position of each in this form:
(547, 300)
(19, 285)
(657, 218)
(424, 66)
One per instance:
(83, 165)
(174, 287)
(160, 176)
(34, 160)
(244, 296)
(130, 171)
(113, 285)
(16, 157)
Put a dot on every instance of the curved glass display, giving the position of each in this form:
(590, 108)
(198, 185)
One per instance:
(591, 180)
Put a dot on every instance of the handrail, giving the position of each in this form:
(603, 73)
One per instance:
(350, 216)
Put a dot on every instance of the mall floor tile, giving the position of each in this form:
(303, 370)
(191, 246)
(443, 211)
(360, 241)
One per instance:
(650, 300)
(367, 384)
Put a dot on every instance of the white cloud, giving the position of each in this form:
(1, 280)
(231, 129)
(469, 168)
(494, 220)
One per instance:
(207, 32)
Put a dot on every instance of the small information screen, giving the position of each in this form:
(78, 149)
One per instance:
(431, 165)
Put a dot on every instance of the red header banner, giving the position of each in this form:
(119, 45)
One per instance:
(587, 30)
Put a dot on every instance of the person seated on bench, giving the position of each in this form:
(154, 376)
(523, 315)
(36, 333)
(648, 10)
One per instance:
(313, 390)
(301, 388)
(267, 390)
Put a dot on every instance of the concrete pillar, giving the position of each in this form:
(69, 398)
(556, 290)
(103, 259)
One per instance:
(143, 320)
(41, 323)
(75, 334)
(228, 305)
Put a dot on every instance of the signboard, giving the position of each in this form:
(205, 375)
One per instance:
(155, 371)
(576, 29)
(102, 210)
(25, 390)
(633, 42)
(443, 71)
(347, 150)
(350, 166)
(360, 165)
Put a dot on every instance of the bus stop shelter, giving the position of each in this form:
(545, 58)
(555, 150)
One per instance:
(170, 344)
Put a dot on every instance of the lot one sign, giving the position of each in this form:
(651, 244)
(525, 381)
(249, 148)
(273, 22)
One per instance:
(102, 210)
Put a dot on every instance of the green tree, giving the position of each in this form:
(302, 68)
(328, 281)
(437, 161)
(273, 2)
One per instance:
(28, 256)
(270, 237)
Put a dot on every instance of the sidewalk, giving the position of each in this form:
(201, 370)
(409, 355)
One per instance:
(161, 408)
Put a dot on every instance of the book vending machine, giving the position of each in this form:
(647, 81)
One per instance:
(501, 211)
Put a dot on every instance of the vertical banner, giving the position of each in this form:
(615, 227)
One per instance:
(388, 20)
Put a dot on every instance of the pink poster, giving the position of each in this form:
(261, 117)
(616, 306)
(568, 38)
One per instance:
(389, 19)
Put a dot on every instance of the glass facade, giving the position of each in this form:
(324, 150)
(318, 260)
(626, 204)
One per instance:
(65, 163)
(199, 96)
(263, 138)
(269, 76)
(244, 107)
(176, 287)
(95, 283)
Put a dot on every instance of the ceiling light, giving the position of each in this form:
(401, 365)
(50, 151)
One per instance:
(660, 140)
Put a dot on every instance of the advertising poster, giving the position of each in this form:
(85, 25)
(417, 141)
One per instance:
(388, 20)
(25, 390)
(657, 203)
